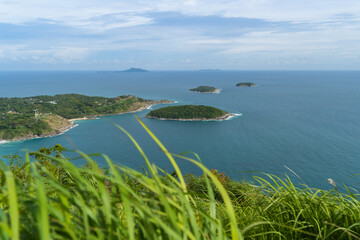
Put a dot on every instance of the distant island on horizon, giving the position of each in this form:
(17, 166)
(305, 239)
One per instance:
(210, 70)
(134, 70)
(130, 70)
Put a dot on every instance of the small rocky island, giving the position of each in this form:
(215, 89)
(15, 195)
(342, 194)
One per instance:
(189, 113)
(205, 89)
(44, 116)
(246, 84)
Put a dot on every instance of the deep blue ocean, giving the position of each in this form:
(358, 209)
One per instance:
(306, 121)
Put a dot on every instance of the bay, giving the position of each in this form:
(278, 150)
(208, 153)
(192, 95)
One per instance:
(306, 121)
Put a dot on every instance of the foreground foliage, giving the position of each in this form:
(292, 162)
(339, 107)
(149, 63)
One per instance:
(45, 196)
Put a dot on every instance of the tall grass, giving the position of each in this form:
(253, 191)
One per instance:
(51, 198)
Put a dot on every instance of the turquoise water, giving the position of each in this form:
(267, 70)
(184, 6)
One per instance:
(305, 121)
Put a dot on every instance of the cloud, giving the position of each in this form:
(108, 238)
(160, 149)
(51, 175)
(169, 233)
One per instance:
(55, 55)
(329, 42)
(106, 23)
(167, 32)
(69, 12)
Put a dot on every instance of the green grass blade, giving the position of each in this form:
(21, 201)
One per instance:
(173, 162)
(43, 215)
(13, 205)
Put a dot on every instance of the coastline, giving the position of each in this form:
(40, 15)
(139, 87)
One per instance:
(256, 85)
(227, 116)
(234, 116)
(30, 137)
(73, 125)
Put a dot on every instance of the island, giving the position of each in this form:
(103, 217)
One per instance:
(133, 70)
(189, 113)
(44, 116)
(210, 70)
(205, 89)
(246, 84)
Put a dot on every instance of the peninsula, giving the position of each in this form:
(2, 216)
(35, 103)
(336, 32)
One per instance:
(205, 89)
(189, 113)
(246, 84)
(44, 116)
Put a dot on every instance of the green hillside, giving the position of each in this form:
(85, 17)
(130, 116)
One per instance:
(27, 117)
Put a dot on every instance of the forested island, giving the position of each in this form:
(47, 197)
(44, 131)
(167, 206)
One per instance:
(189, 113)
(41, 116)
(246, 84)
(205, 89)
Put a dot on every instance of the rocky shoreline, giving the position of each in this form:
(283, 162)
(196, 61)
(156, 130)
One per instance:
(215, 91)
(221, 118)
(52, 134)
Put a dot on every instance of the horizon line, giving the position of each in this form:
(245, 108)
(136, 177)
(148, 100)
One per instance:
(198, 70)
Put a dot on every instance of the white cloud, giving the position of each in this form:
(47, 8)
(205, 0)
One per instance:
(106, 25)
(326, 45)
(71, 13)
(301, 29)
(19, 11)
(52, 55)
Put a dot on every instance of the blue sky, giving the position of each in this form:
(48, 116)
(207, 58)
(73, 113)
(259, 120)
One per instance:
(180, 35)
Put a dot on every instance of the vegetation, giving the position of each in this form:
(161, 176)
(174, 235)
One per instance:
(246, 84)
(204, 89)
(187, 112)
(20, 117)
(45, 196)
(70, 105)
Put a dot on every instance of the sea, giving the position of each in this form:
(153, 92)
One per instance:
(304, 125)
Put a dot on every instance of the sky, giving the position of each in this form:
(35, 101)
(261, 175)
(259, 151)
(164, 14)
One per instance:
(180, 35)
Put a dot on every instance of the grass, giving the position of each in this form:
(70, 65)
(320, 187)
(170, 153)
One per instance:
(51, 198)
